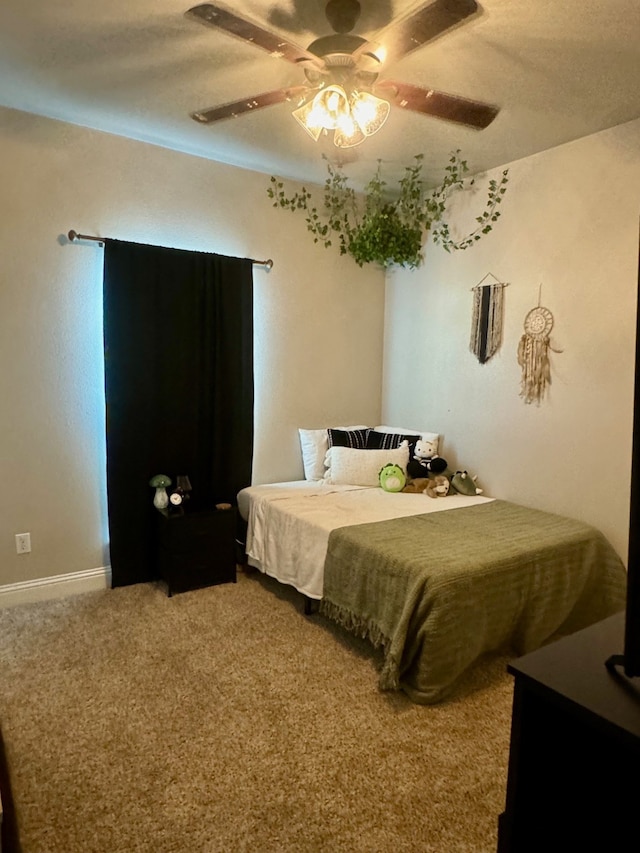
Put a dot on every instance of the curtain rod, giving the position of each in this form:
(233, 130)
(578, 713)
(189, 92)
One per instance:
(73, 236)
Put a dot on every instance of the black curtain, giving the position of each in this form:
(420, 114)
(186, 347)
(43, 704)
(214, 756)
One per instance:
(178, 335)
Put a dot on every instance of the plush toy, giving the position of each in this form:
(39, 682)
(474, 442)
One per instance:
(392, 478)
(425, 460)
(438, 487)
(465, 484)
(417, 486)
(434, 487)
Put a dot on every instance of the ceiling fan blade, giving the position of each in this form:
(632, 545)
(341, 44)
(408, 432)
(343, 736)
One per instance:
(257, 102)
(474, 114)
(221, 19)
(429, 22)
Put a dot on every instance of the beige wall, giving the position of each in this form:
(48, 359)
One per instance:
(318, 319)
(570, 223)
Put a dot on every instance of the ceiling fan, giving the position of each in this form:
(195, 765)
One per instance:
(342, 92)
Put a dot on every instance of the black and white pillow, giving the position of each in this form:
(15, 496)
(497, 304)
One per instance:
(389, 440)
(411, 434)
(356, 439)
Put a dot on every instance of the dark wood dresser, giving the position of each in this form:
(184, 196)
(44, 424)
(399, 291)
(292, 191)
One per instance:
(574, 765)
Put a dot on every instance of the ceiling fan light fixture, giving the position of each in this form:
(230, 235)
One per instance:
(369, 111)
(352, 117)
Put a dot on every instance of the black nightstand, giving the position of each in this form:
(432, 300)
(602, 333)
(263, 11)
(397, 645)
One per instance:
(196, 548)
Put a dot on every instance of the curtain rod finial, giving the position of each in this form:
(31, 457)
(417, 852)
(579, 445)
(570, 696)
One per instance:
(74, 237)
(268, 263)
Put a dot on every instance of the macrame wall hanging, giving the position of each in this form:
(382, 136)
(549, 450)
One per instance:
(486, 321)
(533, 353)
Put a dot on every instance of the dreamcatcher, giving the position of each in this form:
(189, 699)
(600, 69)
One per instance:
(533, 354)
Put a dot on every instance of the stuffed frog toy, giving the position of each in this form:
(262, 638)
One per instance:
(392, 478)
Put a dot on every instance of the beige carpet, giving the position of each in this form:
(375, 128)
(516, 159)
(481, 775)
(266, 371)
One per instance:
(223, 720)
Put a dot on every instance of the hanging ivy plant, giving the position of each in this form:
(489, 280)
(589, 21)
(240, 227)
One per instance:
(385, 228)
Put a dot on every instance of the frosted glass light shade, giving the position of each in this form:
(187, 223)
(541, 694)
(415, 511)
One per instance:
(324, 112)
(301, 115)
(369, 112)
(348, 136)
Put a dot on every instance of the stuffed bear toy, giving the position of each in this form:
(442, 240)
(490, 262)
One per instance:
(465, 484)
(425, 460)
(417, 486)
(438, 487)
(435, 487)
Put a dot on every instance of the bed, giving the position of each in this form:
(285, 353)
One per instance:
(435, 583)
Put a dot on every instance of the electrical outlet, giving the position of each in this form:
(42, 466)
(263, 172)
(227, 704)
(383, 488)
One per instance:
(23, 543)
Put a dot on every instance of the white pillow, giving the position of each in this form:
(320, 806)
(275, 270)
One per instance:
(314, 444)
(425, 436)
(353, 467)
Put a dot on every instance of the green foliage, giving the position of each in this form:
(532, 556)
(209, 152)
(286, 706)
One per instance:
(379, 227)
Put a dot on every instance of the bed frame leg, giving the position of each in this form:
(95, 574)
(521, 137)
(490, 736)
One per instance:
(310, 606)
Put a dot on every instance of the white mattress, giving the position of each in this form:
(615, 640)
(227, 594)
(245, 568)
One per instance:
(288, 524)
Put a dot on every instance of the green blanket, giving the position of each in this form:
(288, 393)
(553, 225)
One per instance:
(438, 590)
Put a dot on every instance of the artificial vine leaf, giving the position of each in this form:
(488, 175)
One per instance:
(390, 230)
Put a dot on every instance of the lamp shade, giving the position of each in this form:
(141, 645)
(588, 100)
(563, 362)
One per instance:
(369, 112)
(348, 136)
(324, 112)
(183, 483)
(305, 118)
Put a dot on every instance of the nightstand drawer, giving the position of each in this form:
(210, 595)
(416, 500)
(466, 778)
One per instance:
(186, 532)
(196, 549)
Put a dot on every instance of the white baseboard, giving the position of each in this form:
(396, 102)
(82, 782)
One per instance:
(56, 586)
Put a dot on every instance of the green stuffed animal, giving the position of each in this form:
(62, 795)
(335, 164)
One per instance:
(392, 478)
(465, 484)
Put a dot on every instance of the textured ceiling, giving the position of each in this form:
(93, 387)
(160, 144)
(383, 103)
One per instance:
(558, 69)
